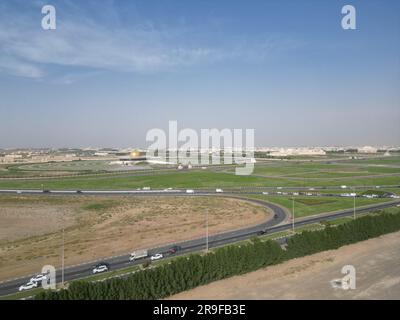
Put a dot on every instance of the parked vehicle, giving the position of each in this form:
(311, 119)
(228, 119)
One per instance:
(157, 256)
(139, 254)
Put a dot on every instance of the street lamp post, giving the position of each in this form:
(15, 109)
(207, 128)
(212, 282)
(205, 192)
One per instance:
(354, 204)
(206, 230)
(293, 215)
(62, 259)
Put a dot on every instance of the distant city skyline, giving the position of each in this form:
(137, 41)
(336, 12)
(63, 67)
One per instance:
(112, 70)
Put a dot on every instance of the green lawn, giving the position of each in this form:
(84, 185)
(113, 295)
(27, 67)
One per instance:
(311, 206)
(191, 179)
(321, 170)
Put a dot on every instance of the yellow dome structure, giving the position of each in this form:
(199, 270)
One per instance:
(134, 154)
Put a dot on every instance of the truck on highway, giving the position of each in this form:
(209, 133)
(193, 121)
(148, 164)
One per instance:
(138, 254)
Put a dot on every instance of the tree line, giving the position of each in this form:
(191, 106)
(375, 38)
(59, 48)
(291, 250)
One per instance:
(190, 271)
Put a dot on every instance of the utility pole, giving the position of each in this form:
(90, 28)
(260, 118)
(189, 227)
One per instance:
(206, 231)
(354, 204)
(293, 215)
(62, 259)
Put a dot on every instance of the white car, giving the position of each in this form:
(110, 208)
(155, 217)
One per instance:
(219, 190)
(28, 286)
(100, 268)
(189, 191)
(157, 256)
(39, 278)
(265, 193)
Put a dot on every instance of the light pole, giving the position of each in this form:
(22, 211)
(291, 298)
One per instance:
(62, 259)
(354, 203)
(206, 231)
(293, 215)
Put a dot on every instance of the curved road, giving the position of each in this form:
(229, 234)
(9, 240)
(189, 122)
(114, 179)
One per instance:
(275, 224)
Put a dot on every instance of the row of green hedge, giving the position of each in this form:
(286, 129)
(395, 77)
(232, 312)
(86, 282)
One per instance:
(188, 272)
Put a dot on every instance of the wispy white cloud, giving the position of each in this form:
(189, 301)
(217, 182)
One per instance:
(19, 68)
(80, 41)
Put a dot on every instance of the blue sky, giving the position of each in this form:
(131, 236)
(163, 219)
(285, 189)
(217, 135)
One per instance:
(112, 70)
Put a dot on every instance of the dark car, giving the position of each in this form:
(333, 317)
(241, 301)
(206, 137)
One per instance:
(262, 232)
(275, 216)
(78, 191)
(46, 191)
(174, 249)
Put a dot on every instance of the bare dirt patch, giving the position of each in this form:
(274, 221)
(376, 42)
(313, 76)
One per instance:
(97, 227)
(377, 263)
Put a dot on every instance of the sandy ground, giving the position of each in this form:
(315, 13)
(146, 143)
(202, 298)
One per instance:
(97, 227)
(377, 263)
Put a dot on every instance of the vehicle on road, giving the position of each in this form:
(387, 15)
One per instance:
(40, 277)
(138, 254)
(28, 286)
(275, 216)
(101, 267)
(266, 193)
(189, 191)
(46, 191)
(343, 187)
(174, 249)
(219, 190)
(78, 191)
(262, 232)
(156, 256)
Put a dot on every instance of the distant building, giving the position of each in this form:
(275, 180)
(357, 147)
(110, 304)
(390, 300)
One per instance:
(284, 152)
(367, 149)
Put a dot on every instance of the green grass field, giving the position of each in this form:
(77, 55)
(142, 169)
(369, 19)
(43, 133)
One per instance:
(312, 206)
(192, 179)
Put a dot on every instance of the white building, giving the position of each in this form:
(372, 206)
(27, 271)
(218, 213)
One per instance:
(367, 149)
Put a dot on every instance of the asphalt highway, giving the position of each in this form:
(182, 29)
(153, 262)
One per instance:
(275, 224)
